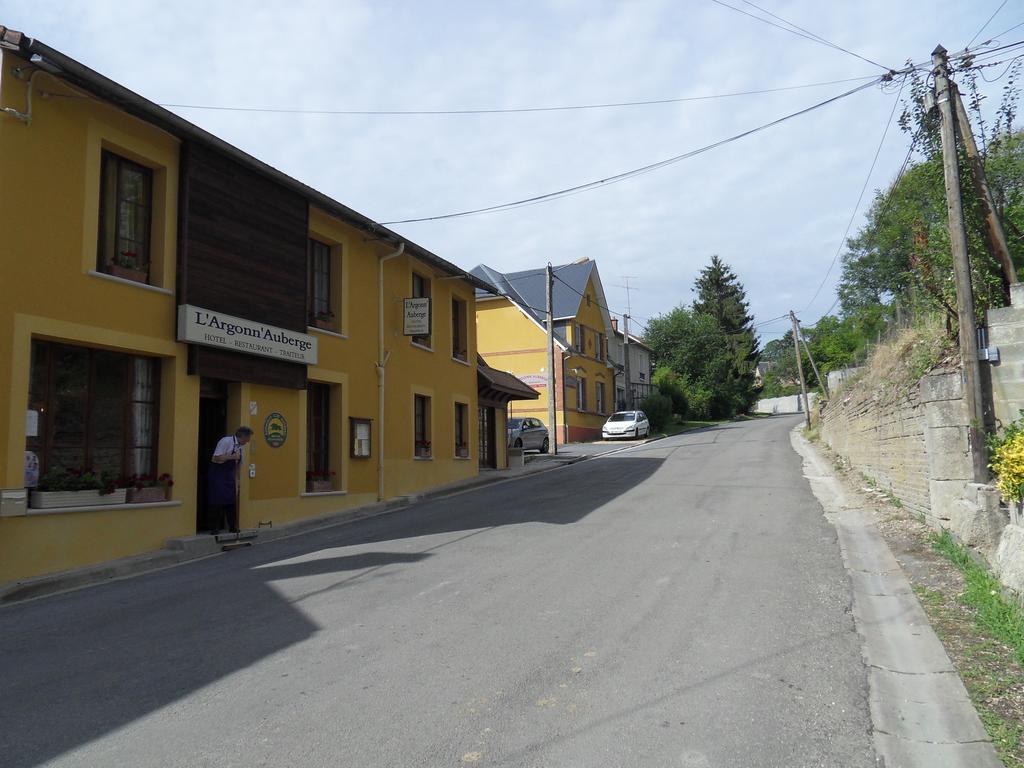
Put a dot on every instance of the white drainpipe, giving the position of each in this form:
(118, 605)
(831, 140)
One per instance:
(382, 361)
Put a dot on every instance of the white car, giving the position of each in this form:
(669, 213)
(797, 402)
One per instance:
(626, 424)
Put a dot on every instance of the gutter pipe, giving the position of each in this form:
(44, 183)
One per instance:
(382, 361)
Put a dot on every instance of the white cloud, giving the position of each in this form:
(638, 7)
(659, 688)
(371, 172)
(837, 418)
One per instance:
(773, 205)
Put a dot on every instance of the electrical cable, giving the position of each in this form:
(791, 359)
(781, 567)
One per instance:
(1015, 26)
(1002, 74)
(769, 322)
(634, 172)
(819, 38)
(986, 24)
(860, 197)
(511, 110)
(888, 199)
(974, 56)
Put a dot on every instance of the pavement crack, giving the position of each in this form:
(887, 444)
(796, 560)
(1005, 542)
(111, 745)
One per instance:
(918, 674)
(929, 741)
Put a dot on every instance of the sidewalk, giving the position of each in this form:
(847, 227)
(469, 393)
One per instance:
(184, 549)
(921, 713)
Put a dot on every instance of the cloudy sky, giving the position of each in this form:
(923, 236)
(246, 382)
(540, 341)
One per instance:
(773, 205)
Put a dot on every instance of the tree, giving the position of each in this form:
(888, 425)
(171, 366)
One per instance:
(902, 255)
(720, 295)
(694, 346)
(673, 386)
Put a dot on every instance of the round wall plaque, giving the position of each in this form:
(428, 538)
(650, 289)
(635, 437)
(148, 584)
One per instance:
(275, 429)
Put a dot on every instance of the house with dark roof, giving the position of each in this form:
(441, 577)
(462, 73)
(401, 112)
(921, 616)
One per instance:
(162, 288)
(512, 336)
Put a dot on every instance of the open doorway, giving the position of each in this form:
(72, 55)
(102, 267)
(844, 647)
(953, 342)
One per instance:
(213, 425)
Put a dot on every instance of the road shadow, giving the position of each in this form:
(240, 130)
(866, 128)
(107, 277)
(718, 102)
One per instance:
(80, 666)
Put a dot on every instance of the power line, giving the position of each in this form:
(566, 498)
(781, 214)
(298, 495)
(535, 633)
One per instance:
(860, 197)
(817, 37)
(983, 26)
(1015, 26)
(769, 322)
(888, 198)
(636, 171)
(511, 110)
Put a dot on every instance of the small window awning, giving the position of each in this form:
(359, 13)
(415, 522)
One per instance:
(496, 387)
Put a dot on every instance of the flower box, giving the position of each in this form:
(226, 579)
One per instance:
(128, 273)
(92, 498)
(326, 325)
(149, 495)
(320, 486)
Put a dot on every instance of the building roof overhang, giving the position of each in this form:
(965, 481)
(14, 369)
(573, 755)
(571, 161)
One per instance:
(65, 68)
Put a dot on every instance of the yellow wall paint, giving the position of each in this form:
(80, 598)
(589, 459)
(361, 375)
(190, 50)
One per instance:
(510, 341)
(50, 290)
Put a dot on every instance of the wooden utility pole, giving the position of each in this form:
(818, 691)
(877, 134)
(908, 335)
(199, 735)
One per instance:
(993, 227)
(625, 362)
(821, 381)
(552, 427)
(961, 268)
(800, 368)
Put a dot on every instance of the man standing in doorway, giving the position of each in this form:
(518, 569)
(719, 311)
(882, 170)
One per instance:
(222, 484)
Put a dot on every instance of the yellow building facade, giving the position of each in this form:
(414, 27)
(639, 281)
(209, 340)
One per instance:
(512, 336)
(125, 230)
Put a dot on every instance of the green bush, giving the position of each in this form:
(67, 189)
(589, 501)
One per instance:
(76, 479)
(672, 386)
(700, 403)
(658, 409)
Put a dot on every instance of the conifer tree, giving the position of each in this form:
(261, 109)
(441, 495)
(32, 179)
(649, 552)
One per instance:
(720, 295)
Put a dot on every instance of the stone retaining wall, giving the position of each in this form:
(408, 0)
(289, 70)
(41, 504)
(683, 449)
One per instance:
(915, 446)
(884, 441)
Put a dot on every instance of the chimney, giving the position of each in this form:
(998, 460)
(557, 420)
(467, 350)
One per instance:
(615, 324)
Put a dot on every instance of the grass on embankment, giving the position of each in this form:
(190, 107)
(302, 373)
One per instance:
(984, 632)
(995, 614)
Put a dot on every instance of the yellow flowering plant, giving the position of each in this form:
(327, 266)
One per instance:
(1007, 460)
(1008, 466)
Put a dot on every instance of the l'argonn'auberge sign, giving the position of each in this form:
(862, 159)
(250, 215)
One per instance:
(214, 329)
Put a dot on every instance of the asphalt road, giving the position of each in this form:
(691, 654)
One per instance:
(682, 603)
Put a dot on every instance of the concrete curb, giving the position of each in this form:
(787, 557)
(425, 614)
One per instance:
(190, 548)
(921, 714)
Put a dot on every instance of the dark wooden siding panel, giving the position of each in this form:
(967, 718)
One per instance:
(233, 366)
(242, 251)
(245, 248)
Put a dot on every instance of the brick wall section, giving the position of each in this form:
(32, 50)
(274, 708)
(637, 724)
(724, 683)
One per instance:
(884, 440)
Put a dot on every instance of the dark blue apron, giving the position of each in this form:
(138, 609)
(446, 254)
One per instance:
(220, 483)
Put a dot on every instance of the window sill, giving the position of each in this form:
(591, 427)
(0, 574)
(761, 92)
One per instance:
(32, 512)
(463, 458)
(461, 361)
(421, 346)
(422, 458)
(326, 332)
(123, 281)
(306, 494)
